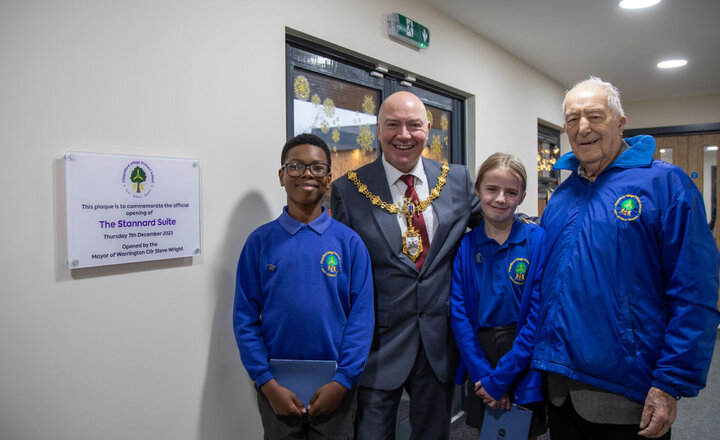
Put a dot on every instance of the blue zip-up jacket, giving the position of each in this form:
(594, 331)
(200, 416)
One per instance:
(630, 288)
(512, 371)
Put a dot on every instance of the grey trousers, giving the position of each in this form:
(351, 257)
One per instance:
(430, 406)
(336, 426)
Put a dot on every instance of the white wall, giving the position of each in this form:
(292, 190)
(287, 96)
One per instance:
(145, 351)
(673, 111)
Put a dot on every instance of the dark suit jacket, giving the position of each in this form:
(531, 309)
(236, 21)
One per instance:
(410, 307)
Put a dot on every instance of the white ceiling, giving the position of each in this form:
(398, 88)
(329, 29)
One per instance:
(568, 40)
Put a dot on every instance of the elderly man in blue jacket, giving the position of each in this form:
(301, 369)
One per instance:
(628, 315)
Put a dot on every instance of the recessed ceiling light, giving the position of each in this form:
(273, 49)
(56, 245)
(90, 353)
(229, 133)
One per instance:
(671, 64)
(711, 148)
(638, 4)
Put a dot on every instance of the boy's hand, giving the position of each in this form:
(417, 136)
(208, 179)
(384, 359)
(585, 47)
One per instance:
(282, 401)
(326, 399)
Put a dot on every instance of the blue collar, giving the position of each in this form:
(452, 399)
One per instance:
(517, 234)
(638, 154)
(291, 225)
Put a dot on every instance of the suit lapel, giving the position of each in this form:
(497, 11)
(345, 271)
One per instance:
(442, 207)
(387, 223)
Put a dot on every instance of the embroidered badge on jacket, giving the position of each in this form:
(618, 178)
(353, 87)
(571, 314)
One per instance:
(628, 207)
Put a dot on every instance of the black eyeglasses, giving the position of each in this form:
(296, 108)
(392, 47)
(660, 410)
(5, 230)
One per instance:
(297, 169)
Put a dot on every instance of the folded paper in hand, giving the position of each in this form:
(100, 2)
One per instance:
(506, 425)
(303, 377)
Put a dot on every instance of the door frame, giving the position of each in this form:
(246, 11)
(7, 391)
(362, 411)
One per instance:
(689, 130)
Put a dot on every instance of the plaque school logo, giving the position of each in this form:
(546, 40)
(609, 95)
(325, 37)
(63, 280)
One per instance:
(628, 207)
(330, 263)
(138, 179)
(518, 270)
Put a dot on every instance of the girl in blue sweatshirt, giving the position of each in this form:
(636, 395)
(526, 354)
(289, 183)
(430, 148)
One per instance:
(494, 299)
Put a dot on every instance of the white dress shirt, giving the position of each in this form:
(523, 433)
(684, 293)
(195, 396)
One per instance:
(398, 187)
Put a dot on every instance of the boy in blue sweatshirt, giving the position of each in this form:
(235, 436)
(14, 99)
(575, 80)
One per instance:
(304, 291)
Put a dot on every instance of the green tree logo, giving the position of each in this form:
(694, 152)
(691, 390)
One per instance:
(628, 207)
(330, 263)
(518, 270)
(628, 204)
(521, 268)
(138, 177)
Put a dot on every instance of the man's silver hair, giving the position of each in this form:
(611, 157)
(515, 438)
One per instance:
(593, 82)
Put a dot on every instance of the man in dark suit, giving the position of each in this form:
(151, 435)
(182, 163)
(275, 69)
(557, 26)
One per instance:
(411, 213)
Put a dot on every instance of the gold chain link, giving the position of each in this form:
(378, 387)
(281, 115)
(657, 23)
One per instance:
(393, 208)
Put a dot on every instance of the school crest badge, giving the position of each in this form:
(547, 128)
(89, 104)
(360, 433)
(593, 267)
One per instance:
(628, 207)
(518, 270)
(330, 263)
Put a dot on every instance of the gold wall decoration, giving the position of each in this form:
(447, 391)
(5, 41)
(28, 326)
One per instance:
(436, 145)
(444, 122)
(545, 164)
(547, 156)
(336, 135)
(301, 87)
(368, 105)
(315, 99)
(329, 107)
(324, 127)
(366, 138)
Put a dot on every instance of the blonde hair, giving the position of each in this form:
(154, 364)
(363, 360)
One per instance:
(502, 160)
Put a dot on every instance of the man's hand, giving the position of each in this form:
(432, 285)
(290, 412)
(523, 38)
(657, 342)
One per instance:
(326, 399)
(282, 401)
(503, 403)
(658, 414)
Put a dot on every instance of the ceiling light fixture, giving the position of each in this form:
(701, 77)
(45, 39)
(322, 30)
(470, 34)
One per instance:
(638, 4)
(671, 64)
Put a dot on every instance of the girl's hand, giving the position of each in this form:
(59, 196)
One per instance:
(504, 402)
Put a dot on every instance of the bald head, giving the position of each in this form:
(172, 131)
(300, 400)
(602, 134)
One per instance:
(403, 129)
(402, 99)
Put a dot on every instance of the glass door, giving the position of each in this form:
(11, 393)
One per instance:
(337, 97)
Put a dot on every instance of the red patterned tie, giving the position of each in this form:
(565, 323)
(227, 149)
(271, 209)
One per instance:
(418, 221)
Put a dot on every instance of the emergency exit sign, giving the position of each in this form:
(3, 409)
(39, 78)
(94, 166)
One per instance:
(408, 30)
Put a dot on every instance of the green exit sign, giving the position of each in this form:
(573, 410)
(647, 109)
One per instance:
(408, 30)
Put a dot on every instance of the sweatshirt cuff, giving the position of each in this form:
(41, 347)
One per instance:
(343, 380)
(264, 377)
(492, 388)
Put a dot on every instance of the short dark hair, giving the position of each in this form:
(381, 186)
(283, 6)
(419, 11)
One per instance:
(302, 139)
